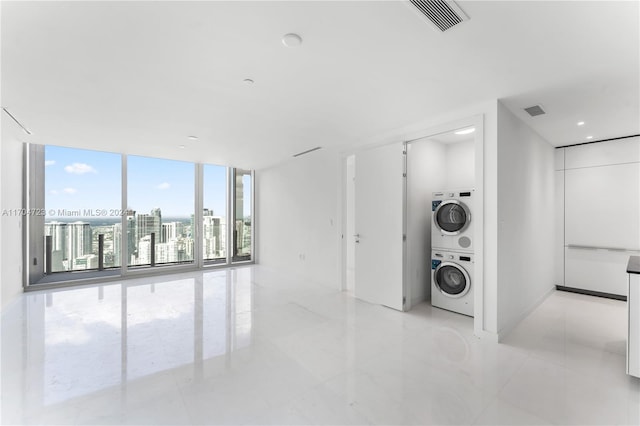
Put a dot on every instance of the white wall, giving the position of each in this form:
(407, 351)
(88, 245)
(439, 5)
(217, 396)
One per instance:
(297, 207)
(350, 223)
(526, 219)
(460, 170)
(296, 200)
(11, 198)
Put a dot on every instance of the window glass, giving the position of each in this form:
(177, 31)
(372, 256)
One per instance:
(242, 232)
(214, 214)
(82, 203)
(160, 196)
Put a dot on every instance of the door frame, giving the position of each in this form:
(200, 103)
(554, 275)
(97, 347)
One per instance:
(478, 122)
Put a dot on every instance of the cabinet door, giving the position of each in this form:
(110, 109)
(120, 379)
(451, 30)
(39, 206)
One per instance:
(379, 215)
(602, 206)
(633, 340)
(598, 270)
(603, 153)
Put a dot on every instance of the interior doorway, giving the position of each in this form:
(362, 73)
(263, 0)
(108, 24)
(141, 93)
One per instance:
(433, 160)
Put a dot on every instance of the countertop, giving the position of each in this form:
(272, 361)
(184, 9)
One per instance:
(633, 267)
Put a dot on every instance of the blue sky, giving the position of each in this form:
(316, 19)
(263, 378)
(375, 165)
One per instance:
(82, 179)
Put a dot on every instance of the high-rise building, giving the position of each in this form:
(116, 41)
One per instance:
(117, 243)
(146, 224)
(157, 213)
(172, 231)
(132, 236)
(213, 237)
(144, 252)
(87, 261)
(79, 241)
(58, 233)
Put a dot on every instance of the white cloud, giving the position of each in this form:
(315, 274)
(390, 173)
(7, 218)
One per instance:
(163, 185)
(70, 191)
(80, 169)
(53, 192)
(49, 162)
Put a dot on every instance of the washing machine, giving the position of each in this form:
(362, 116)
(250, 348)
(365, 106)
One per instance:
(451, 224)
(452, 281)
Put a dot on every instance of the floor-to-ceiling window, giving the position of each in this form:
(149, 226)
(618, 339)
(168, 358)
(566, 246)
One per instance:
(214, 214)
(81, 205)
(160, 205)
(242, 208)
(120, 213)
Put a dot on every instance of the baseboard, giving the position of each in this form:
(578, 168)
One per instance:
(591, 293)
(505, 331)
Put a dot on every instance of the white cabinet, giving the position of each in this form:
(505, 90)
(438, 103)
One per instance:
(600, 204)
(598, 270)
(603, 153)
(633, 312)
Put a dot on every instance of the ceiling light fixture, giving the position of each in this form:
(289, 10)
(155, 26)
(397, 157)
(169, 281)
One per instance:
(182, 146)
(248, 81)
(580, 123)
(193, 138)
(589, 137)
(291, 40)
(466, 131)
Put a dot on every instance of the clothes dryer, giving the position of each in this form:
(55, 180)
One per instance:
(451, 222)
(452, 281)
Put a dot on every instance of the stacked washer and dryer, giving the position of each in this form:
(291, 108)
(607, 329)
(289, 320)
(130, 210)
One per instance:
(452, 251)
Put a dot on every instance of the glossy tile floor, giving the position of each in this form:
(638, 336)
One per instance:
(253, 346)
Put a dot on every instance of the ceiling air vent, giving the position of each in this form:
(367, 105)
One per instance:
(307, 151)
(444, 14)
(535, 110)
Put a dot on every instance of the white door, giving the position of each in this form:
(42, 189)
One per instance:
(379, 212)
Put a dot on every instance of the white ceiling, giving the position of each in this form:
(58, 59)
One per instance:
(139, 77)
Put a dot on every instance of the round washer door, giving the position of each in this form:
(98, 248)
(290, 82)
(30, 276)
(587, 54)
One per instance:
(452, 217)
(451, 279)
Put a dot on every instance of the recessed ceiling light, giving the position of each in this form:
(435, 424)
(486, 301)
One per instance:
(182, 146)
(589, 137)
(193, 138)
(466, 131)
(580, 123)
(291, 40)
(248, 81)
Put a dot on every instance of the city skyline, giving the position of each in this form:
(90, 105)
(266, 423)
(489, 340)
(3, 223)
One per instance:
(83, 201)
(75, 245)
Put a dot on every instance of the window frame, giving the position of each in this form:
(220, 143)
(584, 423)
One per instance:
(33, 230)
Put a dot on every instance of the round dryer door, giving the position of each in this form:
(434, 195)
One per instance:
(451, 279)
(452, 217)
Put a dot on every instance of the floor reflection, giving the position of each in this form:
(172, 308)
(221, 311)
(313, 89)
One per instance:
(131, 330)
(253, 345)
